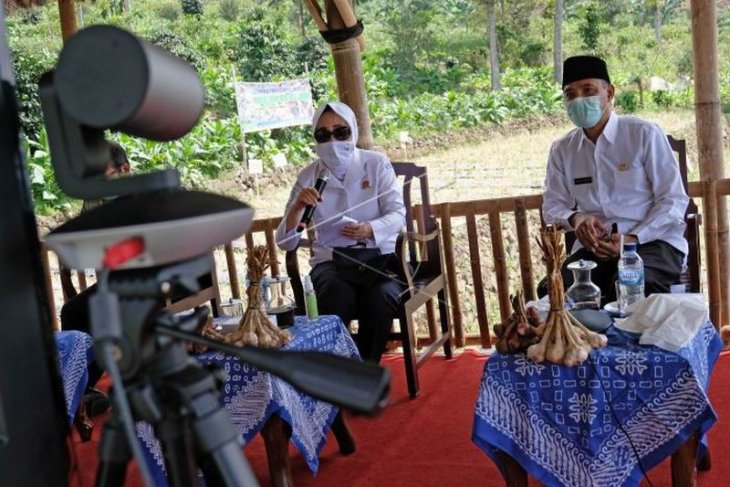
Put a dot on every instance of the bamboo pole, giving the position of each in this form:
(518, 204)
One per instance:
(709, 132)
(523, 241)
(232, 271)
(316, 13)
(350, 81)
(49, 286)
(348, 17)
(456, 317)
(67, 14)
(476, 273)
(710, 208)
(500, 265)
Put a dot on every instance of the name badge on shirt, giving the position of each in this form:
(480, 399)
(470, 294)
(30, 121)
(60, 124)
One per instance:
(585, 180)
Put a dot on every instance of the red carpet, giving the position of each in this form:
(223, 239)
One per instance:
(426, 441)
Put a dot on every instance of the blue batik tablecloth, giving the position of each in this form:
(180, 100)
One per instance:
(251, 396)
(556, 421)
(74, 353)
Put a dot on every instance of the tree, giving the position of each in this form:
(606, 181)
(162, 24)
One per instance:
(493, 46)
(558, 42)
(590, 30)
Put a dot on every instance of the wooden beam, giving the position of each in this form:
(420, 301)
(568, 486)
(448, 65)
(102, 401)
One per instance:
(67, 14)
(709, 128)
(316, 12)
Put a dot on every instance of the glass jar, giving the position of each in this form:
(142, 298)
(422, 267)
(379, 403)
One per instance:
(278, 299)
(280, 307)
(583, 294)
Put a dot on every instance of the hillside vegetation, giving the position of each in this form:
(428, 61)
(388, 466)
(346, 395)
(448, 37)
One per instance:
(426, 68)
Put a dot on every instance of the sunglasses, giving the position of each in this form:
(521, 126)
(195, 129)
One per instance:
(322, 135)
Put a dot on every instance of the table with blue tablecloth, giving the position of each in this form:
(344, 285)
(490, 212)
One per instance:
(74, 354)
(586, 425)
(252, 396)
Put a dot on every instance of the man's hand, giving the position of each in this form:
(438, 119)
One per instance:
(610, 249)
(588, 229)
(357, 231)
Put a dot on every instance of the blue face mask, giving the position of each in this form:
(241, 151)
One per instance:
(585, 112)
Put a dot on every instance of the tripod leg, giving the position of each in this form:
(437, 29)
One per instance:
(114, 454)
(177, 447)
(276, 435)
(219, 442)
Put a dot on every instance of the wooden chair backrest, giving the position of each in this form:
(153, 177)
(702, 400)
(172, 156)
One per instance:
(430, 263)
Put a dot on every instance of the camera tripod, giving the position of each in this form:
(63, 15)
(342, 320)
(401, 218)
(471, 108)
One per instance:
(169, 389)
(178, 396)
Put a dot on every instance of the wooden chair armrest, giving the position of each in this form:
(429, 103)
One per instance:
(420, 237)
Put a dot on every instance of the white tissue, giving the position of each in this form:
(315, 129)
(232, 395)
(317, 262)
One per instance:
(668, 321)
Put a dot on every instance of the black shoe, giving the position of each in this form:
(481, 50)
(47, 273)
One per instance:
(96, 402)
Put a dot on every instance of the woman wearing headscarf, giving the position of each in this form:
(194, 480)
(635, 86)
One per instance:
(360, 207)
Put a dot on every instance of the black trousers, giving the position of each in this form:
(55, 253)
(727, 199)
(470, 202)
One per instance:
(662, 268)
(375, 306)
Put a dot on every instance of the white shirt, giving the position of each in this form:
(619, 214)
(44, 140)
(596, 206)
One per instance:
(629, 177)
(370, 192)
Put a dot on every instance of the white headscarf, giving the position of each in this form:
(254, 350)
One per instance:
(328, 151)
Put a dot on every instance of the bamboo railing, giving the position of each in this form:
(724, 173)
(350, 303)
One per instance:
(496, 211)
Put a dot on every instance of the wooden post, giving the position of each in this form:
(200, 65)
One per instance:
(350, 81)
(710, 208)
(232, 271)
(709, 132)
(456, 317)
(523, 240)
(476, 272)
(68, 18)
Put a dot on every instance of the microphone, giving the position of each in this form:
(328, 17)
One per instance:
(309, 209)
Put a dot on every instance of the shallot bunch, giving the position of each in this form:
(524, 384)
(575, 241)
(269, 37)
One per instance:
(564, 340)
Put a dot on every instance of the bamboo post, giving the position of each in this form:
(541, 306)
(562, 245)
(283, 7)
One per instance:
(523, 242)
(456, 317)
(500, 264)
(316, 13)
(271, 245)
(68, 18)
(476, 273)
(232, 271)
(709, 132)
(348, 17)
(45, 262)
(349, 75)
(710, 208)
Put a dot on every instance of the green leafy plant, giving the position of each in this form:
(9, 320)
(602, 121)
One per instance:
(192, 7)
(229, 9)
(627, 101)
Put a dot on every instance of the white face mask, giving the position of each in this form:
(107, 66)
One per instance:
(336, 156)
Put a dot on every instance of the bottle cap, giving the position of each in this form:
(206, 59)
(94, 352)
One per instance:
(630, 247)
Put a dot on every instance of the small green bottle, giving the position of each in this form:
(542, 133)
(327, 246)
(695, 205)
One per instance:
(310, 298)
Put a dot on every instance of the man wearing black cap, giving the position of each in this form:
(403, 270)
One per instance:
(616, 172)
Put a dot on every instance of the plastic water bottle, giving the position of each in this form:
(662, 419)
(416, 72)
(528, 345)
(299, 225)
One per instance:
(630, 278)
(310, 298)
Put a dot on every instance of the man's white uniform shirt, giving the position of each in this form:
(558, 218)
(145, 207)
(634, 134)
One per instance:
(629, 177)
(370, 192)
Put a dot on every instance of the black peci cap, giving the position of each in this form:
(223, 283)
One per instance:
(583, 67)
